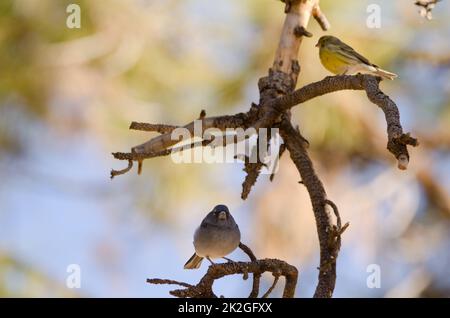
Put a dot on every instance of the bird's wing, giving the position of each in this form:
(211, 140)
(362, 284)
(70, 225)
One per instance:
(204, 224)
(348, 51)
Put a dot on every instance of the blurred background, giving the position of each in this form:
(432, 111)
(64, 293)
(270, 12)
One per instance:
(67, 97)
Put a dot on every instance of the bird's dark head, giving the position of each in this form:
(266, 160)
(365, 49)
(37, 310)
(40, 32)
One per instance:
(221, 212)
(220, 216)
(327, 39)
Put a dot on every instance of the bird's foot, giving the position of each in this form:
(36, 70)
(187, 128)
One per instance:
(209, 259)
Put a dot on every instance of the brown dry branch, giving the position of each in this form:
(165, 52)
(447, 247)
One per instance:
(397, 140)
(277, 97)
(256, 277)
(123, 171)
(160, 281)
(164, 141)
(160, 128)
(328, 252)
(271, 288)
(204, 289)
(320, 17)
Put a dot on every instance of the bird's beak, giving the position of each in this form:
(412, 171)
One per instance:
(222, 215)
(317, 44)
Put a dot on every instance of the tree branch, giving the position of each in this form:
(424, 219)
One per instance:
(320, 17)
(275, 281)
(164, 141)
(256, 277)
(328, 252)
(397, 140)
(204, 288)
(161, 128)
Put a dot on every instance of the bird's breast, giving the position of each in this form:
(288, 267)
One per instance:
(332, 62)
(216, 242)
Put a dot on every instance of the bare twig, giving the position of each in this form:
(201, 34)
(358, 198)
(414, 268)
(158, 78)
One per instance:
(257, 267)
(247, 251)
(123, 171)
(335, 211)
(162, 153)
(161, 128)
(165, 141)
(334, 240)
(271, 288)
(320, 17)
(397, 140)
(167, 282)
(252, 171)
(256, 277)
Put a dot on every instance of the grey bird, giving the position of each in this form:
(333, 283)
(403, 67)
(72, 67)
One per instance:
(217, 236)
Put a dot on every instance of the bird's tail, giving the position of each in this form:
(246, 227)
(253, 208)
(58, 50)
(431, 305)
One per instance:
(385, 74)
(194, 262)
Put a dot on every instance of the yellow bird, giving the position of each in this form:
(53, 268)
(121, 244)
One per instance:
(339, 58)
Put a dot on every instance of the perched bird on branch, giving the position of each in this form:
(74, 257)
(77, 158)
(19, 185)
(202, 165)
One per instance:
(341, 59)
(217, 236)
